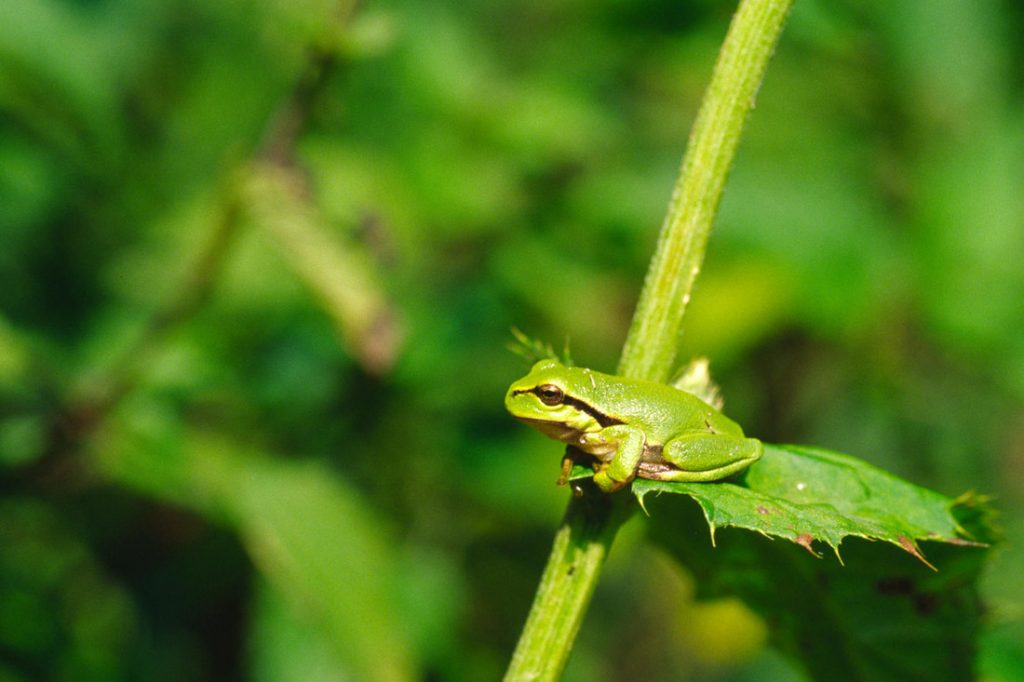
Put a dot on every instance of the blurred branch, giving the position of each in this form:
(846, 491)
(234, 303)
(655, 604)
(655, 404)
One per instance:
(87, 406)
(340, 275)
(593, 518)
(102, 394)
(276, 196)
(323, 60)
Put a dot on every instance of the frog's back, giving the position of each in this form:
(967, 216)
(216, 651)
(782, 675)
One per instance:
(664, 411)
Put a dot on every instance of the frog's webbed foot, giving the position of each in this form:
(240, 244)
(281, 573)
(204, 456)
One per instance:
(608, 484)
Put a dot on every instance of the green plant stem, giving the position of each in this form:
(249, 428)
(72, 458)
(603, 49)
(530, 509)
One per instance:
(593, 518)
(650, 348)
(577, 555)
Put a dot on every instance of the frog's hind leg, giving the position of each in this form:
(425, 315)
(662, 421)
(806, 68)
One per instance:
(704, 457)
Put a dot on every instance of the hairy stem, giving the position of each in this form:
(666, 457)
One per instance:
(593, 518)
(650, 348)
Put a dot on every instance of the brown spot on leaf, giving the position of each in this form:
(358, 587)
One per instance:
(911, 547)
(806, 540)
(762, 510)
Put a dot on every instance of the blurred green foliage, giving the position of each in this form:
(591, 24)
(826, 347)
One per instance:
(259, 261)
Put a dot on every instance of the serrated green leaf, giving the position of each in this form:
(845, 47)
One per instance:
(881, 616)
(809, 495)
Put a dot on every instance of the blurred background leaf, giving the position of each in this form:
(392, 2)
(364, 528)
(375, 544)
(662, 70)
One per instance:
(314, 540)
(201, 478)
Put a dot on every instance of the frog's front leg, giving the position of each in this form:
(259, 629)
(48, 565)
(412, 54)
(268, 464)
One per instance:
(706, 457)
(627, 446)
(572, 457)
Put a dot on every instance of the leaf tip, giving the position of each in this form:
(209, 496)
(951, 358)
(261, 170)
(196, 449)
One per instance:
(806, 540)
(640, 500)
(976, 519)
(911, 547)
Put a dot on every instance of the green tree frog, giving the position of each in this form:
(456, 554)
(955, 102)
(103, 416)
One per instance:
(631, 428)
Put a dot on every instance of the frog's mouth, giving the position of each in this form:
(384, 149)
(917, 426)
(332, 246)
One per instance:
(556, 430)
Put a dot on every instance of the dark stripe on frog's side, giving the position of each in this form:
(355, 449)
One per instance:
(600, 417)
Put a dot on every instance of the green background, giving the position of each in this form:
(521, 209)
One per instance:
(291, 461)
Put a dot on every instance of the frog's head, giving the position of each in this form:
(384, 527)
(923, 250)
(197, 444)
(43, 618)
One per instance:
(548, 399)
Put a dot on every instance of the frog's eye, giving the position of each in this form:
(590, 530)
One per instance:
(550, 394)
